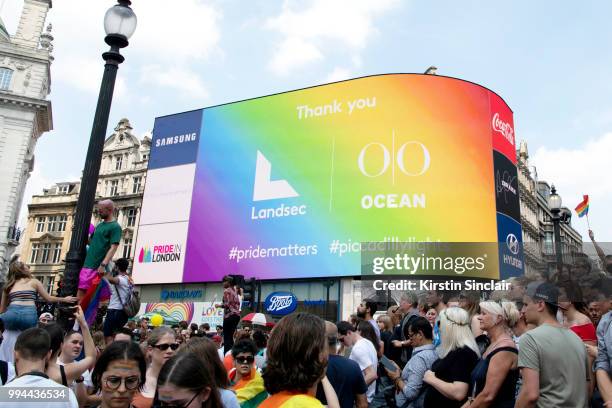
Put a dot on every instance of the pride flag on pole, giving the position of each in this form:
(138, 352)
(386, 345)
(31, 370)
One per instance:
(582, 209)
(98, 291)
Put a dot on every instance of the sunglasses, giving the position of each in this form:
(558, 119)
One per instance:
(164, 347)
(131, 383)
(245, 360)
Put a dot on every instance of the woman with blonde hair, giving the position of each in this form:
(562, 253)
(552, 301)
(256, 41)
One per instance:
(17, 308)
(494, 377)
(449, 377)
(161, 346)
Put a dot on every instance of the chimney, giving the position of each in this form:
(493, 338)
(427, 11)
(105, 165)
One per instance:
(31, 23)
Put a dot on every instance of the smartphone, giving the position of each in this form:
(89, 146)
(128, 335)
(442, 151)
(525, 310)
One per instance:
(387, 363)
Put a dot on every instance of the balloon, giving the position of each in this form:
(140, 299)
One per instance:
(157, 320)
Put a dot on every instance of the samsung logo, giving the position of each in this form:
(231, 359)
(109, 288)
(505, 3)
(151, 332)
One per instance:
(172, 140)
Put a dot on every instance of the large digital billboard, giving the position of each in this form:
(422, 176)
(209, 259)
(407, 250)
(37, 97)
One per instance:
(288, 185)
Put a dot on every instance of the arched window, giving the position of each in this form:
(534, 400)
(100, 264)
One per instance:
(5, 78)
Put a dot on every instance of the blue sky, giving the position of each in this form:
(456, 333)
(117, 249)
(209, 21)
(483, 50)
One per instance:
(548, 60)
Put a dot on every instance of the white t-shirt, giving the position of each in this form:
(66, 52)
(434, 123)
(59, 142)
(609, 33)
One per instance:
(364, 354)
(86, 377)
(124, 289)
(39, 382)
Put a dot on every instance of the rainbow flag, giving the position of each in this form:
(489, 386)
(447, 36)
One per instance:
(286, 399)
(249, 391)
(583, 208)
(99, 291)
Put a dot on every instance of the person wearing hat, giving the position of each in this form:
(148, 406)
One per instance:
(552, 358)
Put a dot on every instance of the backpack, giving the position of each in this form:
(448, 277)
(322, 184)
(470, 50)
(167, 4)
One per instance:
(132, 304)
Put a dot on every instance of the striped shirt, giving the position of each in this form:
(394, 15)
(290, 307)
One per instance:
(422, 359)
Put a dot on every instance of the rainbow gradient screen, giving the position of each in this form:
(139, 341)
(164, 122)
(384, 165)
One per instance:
(289, 185)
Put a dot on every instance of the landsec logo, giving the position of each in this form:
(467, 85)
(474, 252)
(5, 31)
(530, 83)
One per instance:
(265, 188)
(160, 253)
(280, 303)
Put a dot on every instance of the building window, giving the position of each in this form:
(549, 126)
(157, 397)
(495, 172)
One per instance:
(144, 157)
(61, 222)
(118, 162)
(64, 189)
(136, 186)
(52, 227)
(114, 187)
(127, 248)
(40, 224)
(5, 78)
(34, 255)
(131, 217)
(50, 281)
(44, 253)
(57, 250)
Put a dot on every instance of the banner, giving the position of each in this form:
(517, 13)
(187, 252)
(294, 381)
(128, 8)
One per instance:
(289, 185)
(191, 312)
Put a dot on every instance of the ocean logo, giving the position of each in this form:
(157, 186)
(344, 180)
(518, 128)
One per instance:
(267, 189)
(145, 255)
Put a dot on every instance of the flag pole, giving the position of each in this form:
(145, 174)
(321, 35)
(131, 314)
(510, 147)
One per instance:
(588, 223)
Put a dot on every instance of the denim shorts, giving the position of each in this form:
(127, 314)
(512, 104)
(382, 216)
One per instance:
(19, 317)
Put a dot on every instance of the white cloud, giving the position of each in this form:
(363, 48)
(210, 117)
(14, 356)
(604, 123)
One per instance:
(338, 74)
(347, 22)
(584, 170)
(185, 81)
(292, 53)
(85, 74)
(166, 33)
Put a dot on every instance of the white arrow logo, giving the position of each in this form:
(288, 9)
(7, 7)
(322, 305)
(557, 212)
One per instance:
(265, 188)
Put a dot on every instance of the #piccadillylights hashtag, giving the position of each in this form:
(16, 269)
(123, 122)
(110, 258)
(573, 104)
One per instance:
(333, 248)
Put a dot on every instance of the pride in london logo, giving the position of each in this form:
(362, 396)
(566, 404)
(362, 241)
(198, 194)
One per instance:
(160, 253)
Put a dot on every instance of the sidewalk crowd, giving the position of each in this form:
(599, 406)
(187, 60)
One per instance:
(547, 342)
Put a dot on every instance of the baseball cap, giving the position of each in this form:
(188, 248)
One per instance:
(544, 291)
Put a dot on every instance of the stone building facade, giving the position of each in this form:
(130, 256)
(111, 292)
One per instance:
(537, 224)
(46, 238)
(25, 113)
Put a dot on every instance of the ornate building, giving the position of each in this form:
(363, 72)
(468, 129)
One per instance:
(536, 220)
(46, 239)
(25, 113)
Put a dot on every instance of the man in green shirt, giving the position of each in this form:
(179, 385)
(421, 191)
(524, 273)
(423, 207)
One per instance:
(102, 246)
(552, 358)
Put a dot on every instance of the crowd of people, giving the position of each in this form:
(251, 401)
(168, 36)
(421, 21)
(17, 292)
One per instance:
(534, 345)
(546, 342)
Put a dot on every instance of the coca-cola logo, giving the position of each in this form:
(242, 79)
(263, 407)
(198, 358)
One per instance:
(280, 303)
(503, 127)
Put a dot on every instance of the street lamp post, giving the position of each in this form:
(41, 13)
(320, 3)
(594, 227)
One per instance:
(554, 203)
(119, 24)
